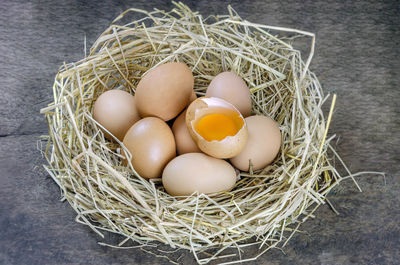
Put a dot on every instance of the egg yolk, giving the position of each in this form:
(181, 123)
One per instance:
(217, 126)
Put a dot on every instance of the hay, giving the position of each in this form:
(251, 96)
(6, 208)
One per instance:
(265, 208)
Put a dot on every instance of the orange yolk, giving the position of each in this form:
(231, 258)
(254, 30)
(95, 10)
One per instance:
(217, 126)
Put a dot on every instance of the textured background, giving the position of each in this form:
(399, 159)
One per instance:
(357, 57)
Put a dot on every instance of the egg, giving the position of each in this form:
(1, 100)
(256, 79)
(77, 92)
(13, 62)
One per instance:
(193, 172)
(232, 88)
(193, 97)
(217, 127)
(165, 91)
(183, 140)
(262, 146)
(116, 111)
(151, 144)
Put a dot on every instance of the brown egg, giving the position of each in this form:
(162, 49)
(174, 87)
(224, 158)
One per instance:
(165, 91)
(116, 111)
(193, 97)
(193, 172)
(152, 145)
(262, 146)
(183, 140)
(232, 88)
(217, 127)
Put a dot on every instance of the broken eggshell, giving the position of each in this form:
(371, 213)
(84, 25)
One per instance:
(217, 127)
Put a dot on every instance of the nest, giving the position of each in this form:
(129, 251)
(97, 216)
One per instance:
(265, 207)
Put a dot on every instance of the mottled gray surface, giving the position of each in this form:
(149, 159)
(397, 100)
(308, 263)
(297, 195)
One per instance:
(357, 56)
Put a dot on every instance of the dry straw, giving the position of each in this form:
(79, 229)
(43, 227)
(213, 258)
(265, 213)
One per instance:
(265, 208)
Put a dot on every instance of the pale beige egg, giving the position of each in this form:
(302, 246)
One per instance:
(165, 91)
(193, 97)
(217, 127)
(232, 88)
(151, 144)
(197, 172)
(262, 146)
(116, 111)
(183, 140)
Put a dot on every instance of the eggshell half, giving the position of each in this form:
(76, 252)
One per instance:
(152, 145)
(193, 172)
(228, 147)
(262, 146)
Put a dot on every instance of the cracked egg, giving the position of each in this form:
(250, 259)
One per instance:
(217, 127)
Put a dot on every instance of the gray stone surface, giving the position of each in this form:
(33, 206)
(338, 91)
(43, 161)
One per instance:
(357, 57)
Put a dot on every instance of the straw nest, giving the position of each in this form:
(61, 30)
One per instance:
(265, 208)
